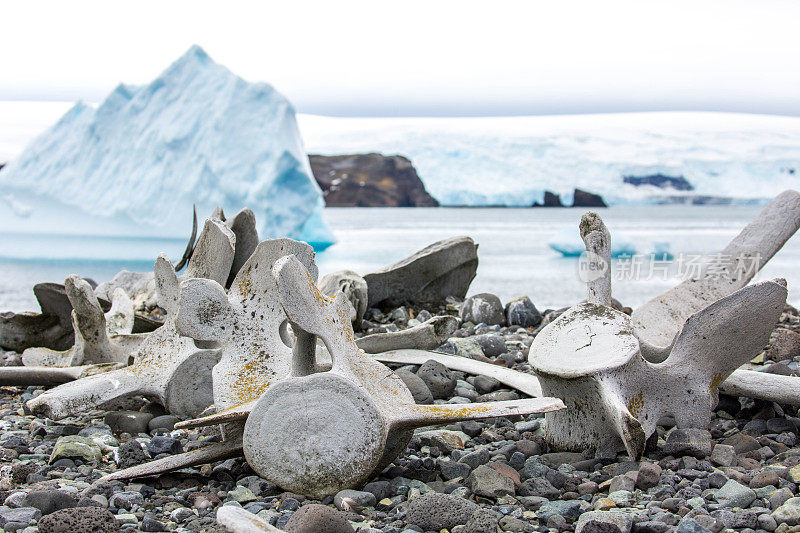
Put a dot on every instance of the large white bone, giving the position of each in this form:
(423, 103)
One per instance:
(527, 383)
(657, 322)
(168, 368)
(592, 359)
(353, 286)
(319, 433)
(426, 336)
(246, 322)
(99, 338)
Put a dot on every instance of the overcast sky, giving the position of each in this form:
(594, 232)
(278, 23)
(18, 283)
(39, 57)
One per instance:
(431, 57)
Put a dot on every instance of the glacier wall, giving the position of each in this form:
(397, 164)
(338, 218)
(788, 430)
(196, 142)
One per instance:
(197, 134)
(511, 161)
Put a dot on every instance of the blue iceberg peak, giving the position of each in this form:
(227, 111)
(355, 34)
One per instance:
(197, 134)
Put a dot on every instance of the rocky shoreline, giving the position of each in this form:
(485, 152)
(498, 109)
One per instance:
(377, 180)
(741, 474)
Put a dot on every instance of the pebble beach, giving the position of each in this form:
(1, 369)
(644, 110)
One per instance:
(740, 474)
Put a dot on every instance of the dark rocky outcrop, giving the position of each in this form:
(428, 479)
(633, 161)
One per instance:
(661, 181)
(369, 180)
(550, 200)
(583, 198)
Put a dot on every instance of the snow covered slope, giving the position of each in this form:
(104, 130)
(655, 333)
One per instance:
(513, 160)
(198, 134)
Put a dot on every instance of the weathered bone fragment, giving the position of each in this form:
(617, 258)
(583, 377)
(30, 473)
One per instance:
(207, 454)
(246, 322)
(240, 520)
(211, 257)
(49, 376)
(140, 286)
(445, 268)
(763, 386)
(591, 357)
(354, 288)
(658, 321)
(96, 334)
(243, 226)
(214, 252)
(317, 434)
(168, 368)
(598, 258)
(426, 336)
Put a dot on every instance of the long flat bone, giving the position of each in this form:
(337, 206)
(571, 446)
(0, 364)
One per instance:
(207, 454)
(658, 321)
(48, 376)
(763, 386)
(526, 383)
(746, 383)
(240, 520)
(168, 368)
(435, 413)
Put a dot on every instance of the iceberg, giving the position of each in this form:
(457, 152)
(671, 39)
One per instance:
(135, 164)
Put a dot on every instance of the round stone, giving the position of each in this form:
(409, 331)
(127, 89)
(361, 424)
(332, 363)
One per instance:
(79, 520)
(317, 518)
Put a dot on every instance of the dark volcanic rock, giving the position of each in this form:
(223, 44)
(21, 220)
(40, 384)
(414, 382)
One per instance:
(369, 180)
(661, 181)
(550, 200)
(320, 518)
(434, 511)
(79, 520)
(583, 198)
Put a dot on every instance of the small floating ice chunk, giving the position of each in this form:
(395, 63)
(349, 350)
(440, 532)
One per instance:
(568, 243)
(661, 251)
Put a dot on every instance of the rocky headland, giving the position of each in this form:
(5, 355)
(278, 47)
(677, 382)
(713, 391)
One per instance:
(369, 180)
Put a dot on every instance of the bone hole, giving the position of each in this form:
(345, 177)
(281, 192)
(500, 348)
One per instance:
(287, 336)
(206, 345)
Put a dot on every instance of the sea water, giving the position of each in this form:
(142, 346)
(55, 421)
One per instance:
(514, 256)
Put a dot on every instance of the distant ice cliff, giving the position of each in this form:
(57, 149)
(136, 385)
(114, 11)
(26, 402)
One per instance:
(197, 134)
(678, 157)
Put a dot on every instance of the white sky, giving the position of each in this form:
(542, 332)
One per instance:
(431, 57)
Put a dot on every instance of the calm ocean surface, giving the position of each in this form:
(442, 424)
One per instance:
(513, 252)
